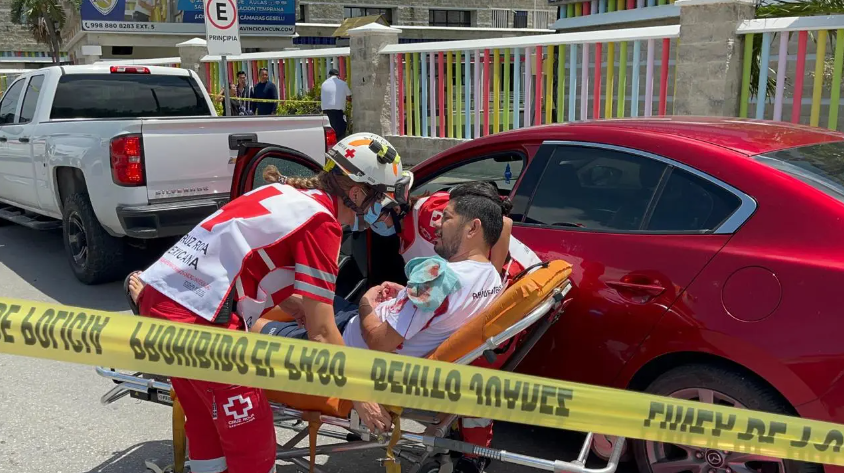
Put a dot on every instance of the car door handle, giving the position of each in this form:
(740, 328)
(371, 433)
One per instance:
(649, 289)
(23, 139)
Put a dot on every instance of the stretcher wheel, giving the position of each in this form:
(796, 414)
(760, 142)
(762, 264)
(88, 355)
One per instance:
(430, 467)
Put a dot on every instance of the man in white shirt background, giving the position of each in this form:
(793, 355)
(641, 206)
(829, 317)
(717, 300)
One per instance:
(334, 93)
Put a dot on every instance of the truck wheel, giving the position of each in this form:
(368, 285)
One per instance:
(95, 256)
(713, 384)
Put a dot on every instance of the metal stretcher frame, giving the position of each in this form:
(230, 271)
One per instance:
(424, 451)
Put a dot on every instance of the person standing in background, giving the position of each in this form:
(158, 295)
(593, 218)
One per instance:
(265, 90)
(334, 93)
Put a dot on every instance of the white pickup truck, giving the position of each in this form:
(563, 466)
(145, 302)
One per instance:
(118, 155)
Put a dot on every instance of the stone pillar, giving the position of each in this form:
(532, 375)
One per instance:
(709, 57)
(191, 53)
(370, 81)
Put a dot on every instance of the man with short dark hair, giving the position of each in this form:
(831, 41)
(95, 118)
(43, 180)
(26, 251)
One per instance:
(265, 90)
(334, 93)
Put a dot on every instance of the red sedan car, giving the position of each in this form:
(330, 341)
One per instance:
(707, 261)
(706, 253)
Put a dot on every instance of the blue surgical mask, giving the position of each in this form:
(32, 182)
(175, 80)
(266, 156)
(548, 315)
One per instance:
(373, 213)
(382, 229)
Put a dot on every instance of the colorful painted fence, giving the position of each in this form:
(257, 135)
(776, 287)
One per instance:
(294, 72)
(799, 62)
(592, 7)
(467, 89)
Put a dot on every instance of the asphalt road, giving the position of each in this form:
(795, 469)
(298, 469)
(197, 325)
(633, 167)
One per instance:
(51, 419)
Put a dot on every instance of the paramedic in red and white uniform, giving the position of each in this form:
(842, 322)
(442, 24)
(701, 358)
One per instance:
(271, 243)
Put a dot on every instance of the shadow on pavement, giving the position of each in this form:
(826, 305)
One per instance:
(39, 259)
(132, 459)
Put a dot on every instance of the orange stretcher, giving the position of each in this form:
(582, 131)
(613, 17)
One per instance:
(499, 337)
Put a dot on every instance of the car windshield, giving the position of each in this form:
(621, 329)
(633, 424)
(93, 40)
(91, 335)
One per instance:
(821, 166)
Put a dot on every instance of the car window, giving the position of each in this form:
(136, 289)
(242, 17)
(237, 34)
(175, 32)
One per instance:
(820, 166)
(127, 96)
(689, 203)
(502, 170)
(9, 105)
(595, 189)
(271, 168)
(30, 99)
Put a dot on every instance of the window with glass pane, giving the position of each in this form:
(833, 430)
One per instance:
(689, 203)
(450, 18)
(9, 105)
(595, 189)
(502, 170)
(520, 19)
(356, 12)
(30, 99)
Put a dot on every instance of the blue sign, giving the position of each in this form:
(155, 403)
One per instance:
(256, 17)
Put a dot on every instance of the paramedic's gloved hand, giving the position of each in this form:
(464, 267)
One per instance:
(373, 416)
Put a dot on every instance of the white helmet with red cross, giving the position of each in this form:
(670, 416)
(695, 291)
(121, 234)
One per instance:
(369, 159)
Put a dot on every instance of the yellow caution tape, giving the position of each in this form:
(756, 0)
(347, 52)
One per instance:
(244, 99)
(154, 346)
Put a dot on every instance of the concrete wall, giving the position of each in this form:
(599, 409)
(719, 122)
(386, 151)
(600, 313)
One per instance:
(413, 149)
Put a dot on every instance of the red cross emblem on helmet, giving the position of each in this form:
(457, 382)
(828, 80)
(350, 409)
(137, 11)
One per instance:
(350, 153)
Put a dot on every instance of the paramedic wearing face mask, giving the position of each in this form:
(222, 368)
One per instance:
(233, 267)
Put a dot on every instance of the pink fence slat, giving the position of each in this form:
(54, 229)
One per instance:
(663, 76)
(649, 80)
(400, 98)
(432, 93)
(596, 96)
(311, 76)
(441, 81)
(584, 84)
(342, 68)
(631, 4)
(797, 104)
(393, 91)
(485, 103)
(537, 109)
(782, 62)
(587, 8)
(477, 82)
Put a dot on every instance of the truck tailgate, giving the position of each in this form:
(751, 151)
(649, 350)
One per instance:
(190, 157)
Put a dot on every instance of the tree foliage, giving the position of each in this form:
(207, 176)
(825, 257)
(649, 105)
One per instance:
(45, 20)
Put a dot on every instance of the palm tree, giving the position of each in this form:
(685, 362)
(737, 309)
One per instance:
(788, 8)
(45, 20)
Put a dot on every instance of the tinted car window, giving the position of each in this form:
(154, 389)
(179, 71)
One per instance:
(595, 189)
(502, 170)
(30, 99)
(821, 166)
(271, 168)
(689, 203)
(10, 103)
(127, 96)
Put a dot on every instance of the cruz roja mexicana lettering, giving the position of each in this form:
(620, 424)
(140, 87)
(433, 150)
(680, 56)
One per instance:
(56, 330)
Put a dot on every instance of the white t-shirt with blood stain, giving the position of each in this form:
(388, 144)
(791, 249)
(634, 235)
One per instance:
(424, 330)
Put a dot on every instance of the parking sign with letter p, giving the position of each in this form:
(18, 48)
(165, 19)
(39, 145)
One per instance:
(222, 29)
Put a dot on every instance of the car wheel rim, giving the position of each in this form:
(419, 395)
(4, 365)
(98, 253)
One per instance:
(77, 240)
(671, 458)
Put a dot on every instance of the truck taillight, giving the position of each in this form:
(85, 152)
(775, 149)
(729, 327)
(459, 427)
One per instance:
(330, 138)
(127, 160)
(129, 70)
